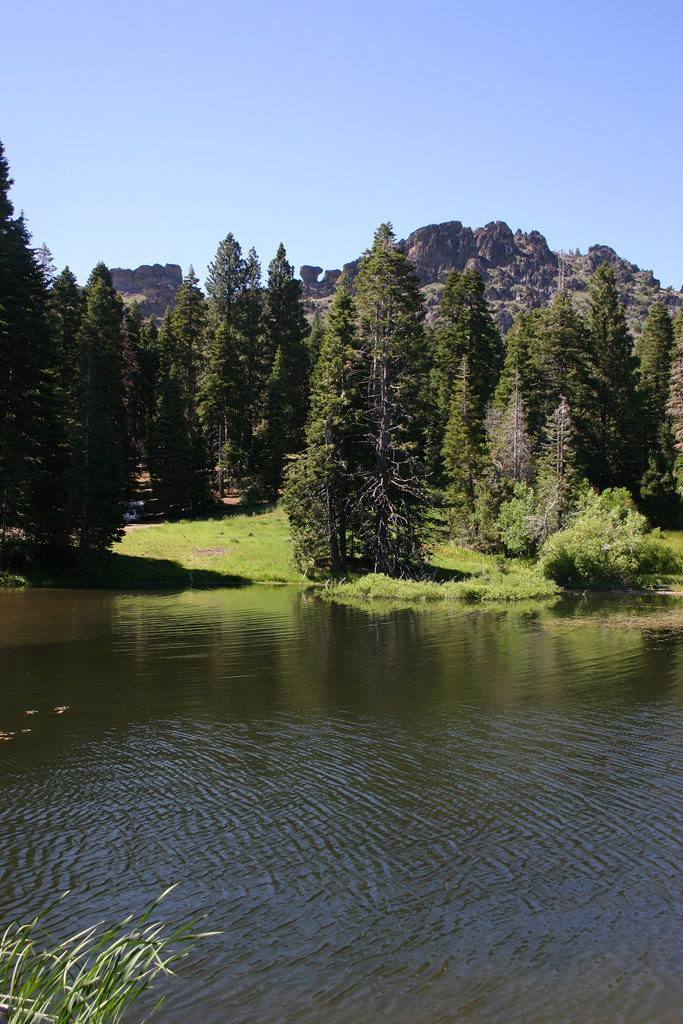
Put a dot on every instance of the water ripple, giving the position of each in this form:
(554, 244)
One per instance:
(401, 847)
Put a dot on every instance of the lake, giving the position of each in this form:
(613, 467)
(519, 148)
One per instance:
(407, 816)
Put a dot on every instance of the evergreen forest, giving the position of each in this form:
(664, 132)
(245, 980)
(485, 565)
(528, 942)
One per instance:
(375, 428)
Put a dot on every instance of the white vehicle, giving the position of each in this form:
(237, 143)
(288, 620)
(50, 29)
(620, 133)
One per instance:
(135, 512)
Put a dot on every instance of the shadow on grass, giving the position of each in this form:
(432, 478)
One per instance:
(442, 575)
(124, 572)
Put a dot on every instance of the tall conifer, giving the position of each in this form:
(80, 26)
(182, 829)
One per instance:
(320, 484)
(392, 501)
(101, 478)
(604, 418)
(32, 440)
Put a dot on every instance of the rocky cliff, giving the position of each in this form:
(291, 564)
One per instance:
(154, 288)
(519, 271)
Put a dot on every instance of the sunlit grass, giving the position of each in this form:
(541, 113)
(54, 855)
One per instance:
(519, 584)
(455, 558)
(673, 540)
(244, 546)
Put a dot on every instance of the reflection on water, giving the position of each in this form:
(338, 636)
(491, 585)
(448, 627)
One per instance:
(412, 816)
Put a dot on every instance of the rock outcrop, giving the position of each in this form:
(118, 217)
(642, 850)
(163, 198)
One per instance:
(153, 288)
(519, 271)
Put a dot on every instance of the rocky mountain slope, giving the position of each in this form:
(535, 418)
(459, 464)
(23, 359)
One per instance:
(519, 271)
(154, 288)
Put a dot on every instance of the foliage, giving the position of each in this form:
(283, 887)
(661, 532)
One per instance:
(546, 359)
(391, 500)
(91, 978)
(466, 331)
(374, 420)
(463, 454)
(607, 544)
(33, 453)
(239, 362)
(605, 415)
(320, 483)
(170, 450)
(556, 477)
(286, 331)
(225, 281)
(509, 442)
(659, 499)
(518, 523)
(655, 350)
(100, 418)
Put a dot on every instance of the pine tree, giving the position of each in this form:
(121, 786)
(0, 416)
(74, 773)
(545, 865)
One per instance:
(655, 350)
(463, 454)
(509, 442)
(286, 331)
(674, 405)
(66, 311)
(604, 416)
(659, 497)
(132, 392)
(100, 410)
(32, 440)
(171, 449)
(319, 484)
(286, 406)
(273, 439)
(222, 403)
(66, 308)
(254, 354)
(183, 356)
(188, 324)
(236, 303)
(520, 368)
(392, 502)
(149, 364)
(315, 339)
(556, 477)
(546, 354)
(467, 331)
(225, 282)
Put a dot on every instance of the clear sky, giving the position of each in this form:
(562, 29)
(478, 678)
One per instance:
(143, 132)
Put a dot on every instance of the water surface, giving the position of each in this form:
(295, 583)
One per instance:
(408, 816)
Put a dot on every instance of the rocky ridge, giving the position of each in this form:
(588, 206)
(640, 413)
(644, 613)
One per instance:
(153, 288)
(519, 270)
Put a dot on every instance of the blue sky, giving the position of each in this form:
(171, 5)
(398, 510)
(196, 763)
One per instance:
(144, 132)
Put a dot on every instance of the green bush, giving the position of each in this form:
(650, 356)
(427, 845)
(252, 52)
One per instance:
(518, 523)
(607, 545)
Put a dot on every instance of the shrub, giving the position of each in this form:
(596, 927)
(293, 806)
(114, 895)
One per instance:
(606, 545)
(518, 522)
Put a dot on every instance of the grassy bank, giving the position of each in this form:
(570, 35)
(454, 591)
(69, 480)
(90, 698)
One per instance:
(255, 547)
(672, 539)
(455, 574)
(235, 548)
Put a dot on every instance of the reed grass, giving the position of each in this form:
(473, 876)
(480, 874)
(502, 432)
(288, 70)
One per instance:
(94, 976)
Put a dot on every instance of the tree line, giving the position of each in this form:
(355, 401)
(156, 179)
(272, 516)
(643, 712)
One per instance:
(374, 425)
